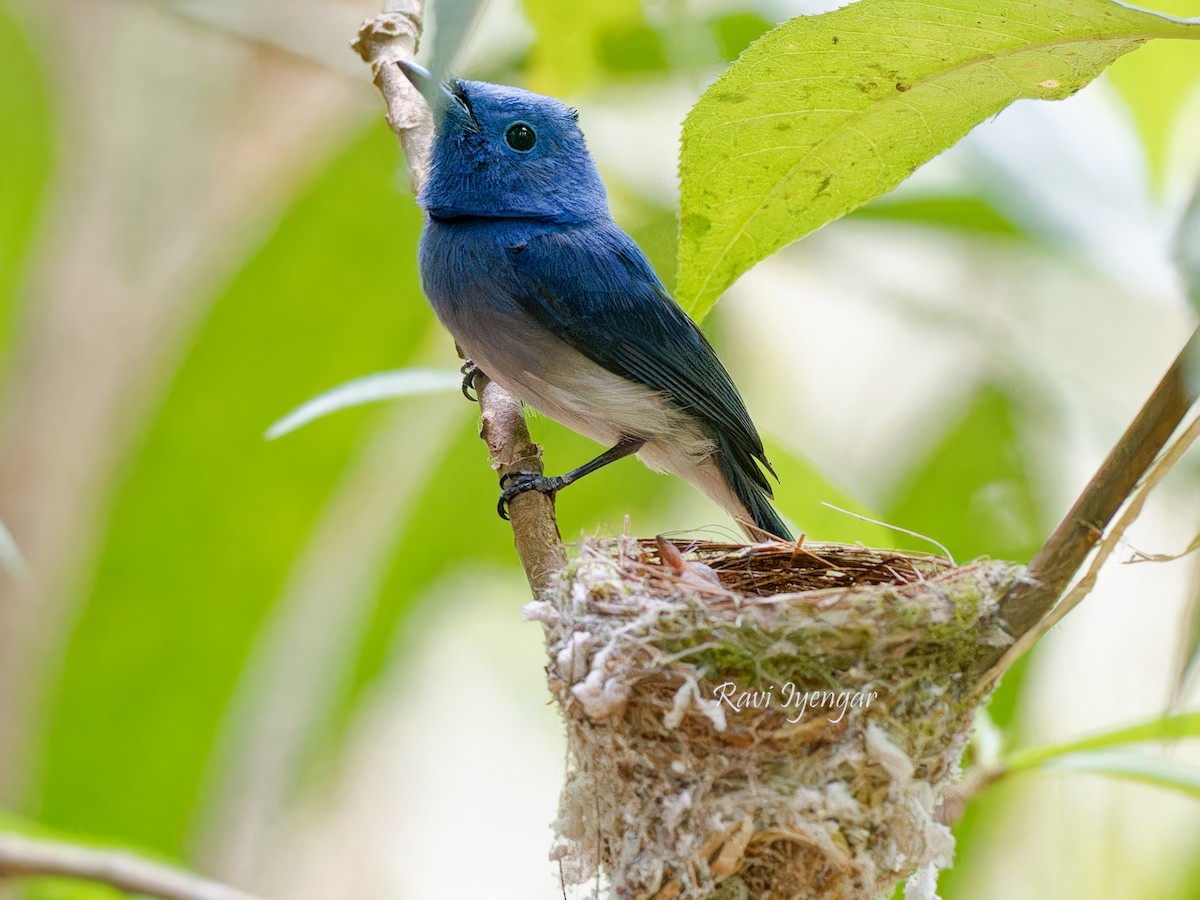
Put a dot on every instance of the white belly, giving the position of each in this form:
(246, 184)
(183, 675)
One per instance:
(570, 388)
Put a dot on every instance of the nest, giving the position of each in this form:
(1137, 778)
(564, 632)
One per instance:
(764, 721)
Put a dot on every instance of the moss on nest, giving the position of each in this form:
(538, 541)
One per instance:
(763, 722)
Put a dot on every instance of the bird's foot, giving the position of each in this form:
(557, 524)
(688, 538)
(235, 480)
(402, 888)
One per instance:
(516, 483)
(469, 371)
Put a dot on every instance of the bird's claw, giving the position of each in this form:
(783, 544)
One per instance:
(513, 484)
(469, 371)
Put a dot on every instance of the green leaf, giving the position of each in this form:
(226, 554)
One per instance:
(25, 157)
(736, 31)
(1168, 728)
(826, 112)
(1156, 83)
(368, 389)
(634, 49)
(974, 491)
(572, 38)
(1133, 766)
(958, 212)
(805, 496)
(206, 523)
(979, 829)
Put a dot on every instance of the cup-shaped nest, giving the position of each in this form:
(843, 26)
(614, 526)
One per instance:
(765, 721)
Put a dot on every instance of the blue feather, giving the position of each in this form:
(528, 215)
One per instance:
(523, 263)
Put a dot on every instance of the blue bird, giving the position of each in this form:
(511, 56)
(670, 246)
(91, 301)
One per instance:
(548, 297)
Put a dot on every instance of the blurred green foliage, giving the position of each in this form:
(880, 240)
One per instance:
(736, 31)
(807, 498)
(454, 527)
(964, 213)
(974, 492)
(574, 40)
(208, 517)
(25, 159)
(1156, 81)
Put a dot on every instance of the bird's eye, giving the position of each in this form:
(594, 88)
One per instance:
(520, 137)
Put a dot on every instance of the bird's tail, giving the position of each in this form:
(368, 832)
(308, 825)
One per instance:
(751, 488)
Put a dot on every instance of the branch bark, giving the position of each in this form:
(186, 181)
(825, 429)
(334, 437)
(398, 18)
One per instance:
(535, 530)
(1070, 544)
(27, 857)
(382, 42)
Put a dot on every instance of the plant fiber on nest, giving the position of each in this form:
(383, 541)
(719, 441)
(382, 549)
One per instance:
(673, 794)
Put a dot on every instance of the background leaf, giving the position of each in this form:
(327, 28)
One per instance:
(802, 494)
(828, 111)
(1133, 766)
(133, 716)
(461, 499)
(574, 40)
(25, 157)
(1168, 728)
(454, 22)
(974, 492)
(1156, 83)
(964, 214)
(368, 389)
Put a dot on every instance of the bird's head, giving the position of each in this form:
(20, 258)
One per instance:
(502, 152)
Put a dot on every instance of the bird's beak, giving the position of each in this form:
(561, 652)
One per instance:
(436, 93)
(421, 79)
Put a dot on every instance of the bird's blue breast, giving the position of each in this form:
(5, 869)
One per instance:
(465, 267)
(469, 273)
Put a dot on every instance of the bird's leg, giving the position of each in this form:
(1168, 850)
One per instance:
(515, 483)
(469, 371)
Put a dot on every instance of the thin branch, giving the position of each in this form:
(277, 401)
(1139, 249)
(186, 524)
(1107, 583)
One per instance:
(1069, 546)
(27, 857)
(1111, 541)
(535, 530)
(382, 42)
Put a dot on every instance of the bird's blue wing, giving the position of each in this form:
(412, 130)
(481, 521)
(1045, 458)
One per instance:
(594, 289)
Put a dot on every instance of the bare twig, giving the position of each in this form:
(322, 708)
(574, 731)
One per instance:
(382, 42)
(1111, 541)
(1065, 551)
(535, 530)
(27, 857)
(958, 796)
